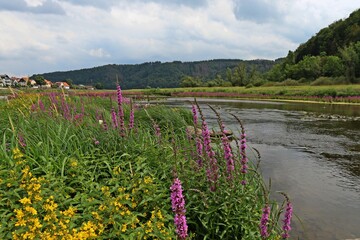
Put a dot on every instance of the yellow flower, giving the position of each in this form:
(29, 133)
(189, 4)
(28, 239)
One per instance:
(102, 207)
(96, 216)
(37, 197)
(31, 210)
(25, 201)
(148, 180)
(73, 163)
(117, 170)
(124, 227)
(19, 213)
(50, 205)
(36, 224)
(70, 212)
(20, 223)
(159, 215)
(17, 153)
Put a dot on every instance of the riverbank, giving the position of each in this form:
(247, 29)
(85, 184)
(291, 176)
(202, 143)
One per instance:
(349, 94)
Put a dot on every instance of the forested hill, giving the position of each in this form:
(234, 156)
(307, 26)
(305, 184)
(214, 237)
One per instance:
(155, 74)
(332, 56)
(331, 39)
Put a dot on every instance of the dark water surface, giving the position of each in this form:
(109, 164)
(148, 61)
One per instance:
(311, 152)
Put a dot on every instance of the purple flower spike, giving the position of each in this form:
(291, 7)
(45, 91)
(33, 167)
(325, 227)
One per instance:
(131, 119)
(287, 220)
(178, 207)
(121, 110)
(114, 119)
(195, 118)
(212, 171)
(263, 222)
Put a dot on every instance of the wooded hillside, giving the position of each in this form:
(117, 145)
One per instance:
(155, 74)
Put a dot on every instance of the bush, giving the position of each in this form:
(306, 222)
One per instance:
(323, 81)
(288, 82)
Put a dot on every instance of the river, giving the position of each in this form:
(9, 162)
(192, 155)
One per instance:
(310, 151)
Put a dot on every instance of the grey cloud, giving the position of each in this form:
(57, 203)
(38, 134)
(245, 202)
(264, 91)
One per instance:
(48, 7)
(258, 11)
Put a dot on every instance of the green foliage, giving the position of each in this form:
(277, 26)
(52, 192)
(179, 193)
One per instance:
(154, 74)
(40, 80)
(188, 81)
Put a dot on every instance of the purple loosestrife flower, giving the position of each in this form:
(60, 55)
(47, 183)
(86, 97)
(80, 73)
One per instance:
(178, 207)
(121, 110)
(33, 107)
(199, 151)
(195, 118)
(228, 156)
(264, 220)
(212, 171)
(41, 105)
(131, 118)
(22, 141)
(287, 220)
(230, 167)
(113, 118)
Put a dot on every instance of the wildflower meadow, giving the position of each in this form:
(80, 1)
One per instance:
(103, 166)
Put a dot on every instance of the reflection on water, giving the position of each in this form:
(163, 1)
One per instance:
(315, 160)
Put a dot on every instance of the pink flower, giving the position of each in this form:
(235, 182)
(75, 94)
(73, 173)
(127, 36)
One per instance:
(178, 207)
(287, 220)
(263, 222)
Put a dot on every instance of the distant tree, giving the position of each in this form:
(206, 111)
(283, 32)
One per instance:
(239, 76)
(98, 85)
(189, 81)
(350, 59)
(276, 74)
(228, 75)
(331, 66)
(39, 79)
(69, 81)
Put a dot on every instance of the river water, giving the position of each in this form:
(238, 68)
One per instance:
(310, 151)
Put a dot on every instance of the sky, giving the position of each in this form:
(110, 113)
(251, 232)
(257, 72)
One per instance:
(40, 36)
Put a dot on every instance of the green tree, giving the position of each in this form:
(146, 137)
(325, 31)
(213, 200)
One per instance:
(331, 66)
(189, 81)
(98, 85)
(69, 81)
(39, 79)
(350, 58)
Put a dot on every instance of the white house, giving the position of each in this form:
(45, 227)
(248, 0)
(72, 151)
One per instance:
(5, 80)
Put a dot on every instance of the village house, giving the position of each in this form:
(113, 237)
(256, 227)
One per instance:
(5, 81)
(23, 82)
(63, 85)
(48, 84)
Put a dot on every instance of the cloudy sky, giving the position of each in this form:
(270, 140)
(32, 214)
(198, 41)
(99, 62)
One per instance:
(38, 36)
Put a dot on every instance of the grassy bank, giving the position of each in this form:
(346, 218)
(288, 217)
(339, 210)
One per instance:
(99, 166)
(333, 93)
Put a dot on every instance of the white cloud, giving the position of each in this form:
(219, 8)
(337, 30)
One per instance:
(149, 30)
(34, 3)
(99, 52)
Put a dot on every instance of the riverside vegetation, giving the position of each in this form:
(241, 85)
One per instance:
(98, 165)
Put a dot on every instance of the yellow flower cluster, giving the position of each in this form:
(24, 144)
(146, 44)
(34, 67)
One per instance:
(125, 212)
